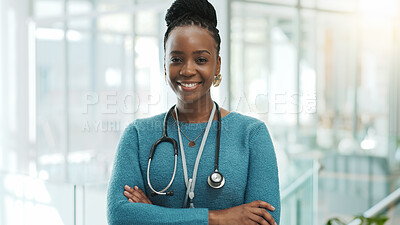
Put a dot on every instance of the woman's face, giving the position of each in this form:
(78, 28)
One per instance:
(191, 62)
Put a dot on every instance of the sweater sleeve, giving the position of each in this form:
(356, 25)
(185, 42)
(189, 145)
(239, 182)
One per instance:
(126, 171)
(263, 181)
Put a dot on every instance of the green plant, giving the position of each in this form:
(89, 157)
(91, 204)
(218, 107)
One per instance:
(335, 221)
(376, 220)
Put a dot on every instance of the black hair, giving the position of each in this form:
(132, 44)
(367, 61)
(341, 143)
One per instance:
(192, 12)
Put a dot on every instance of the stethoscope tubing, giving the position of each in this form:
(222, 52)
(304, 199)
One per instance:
(162, 192)
(164, 138)
(188, 182)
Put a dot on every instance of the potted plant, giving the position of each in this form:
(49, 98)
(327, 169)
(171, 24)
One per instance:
(376, 220)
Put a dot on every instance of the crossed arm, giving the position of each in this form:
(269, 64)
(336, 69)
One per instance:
(251, 213)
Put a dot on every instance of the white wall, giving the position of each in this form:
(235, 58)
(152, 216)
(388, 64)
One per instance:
(15, 149)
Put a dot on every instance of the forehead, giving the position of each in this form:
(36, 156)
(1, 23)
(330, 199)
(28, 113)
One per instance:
(190, 38)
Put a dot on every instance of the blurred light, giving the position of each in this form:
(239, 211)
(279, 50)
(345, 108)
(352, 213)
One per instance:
(115, 22)
(348, 145)
(49, 34)
(51, 159)
(46, 215)
(26, 187)
(26, 213)
(13, 209)
(278, 35)
(44, 175)
(27, 201)
(39, 191)
(145, 48)
(48, 8)
(32, 169)
(308, 78)
(79, 157)
(14, 184)
(380, 8)
(79, 7)
(368, 144)
(55, 34)
(73, 35)
(113, 77)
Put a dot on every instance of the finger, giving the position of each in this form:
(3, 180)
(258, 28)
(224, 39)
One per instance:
(134, 192)
(264, 214)
(140, 195)
(132, 197)
(128, 195)
(128, 189)
(144, 196)
(140, 191)
(258, 219)
(137, 200)
(262, 204)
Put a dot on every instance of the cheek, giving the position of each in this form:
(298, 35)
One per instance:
(208, 73)
(169, 71)
(170, 74)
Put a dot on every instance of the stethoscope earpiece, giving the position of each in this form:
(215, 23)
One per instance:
(216, 180)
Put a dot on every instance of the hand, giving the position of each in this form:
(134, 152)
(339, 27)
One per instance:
(136, 195)
(252, 213)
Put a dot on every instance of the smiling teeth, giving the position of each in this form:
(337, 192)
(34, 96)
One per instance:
(189, 85)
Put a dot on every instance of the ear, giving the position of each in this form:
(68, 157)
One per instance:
(218, 65)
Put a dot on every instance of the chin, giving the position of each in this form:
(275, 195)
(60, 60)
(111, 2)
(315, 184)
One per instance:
(188, 100)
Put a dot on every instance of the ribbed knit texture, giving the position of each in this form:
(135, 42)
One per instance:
(247, 160)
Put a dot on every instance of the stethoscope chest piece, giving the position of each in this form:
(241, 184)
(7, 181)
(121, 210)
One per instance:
(216, 180)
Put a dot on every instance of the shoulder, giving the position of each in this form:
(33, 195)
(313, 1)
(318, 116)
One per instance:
(247, 126)
(242, 120)
(149, 121)
(152, 123)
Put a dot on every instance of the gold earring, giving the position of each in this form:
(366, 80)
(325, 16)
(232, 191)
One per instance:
(217, 80)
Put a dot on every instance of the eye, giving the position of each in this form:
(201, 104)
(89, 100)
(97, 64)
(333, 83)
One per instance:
(176, 60)
(202, 60)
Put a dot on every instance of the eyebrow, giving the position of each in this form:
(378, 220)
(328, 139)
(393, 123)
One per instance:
(195, 52)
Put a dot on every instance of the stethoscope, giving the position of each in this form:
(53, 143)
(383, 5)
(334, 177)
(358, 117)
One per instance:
(215, 180)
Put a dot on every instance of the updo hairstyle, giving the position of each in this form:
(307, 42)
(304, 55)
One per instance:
(192, 12)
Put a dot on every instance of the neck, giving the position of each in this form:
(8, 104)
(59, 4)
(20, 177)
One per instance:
(194, 112)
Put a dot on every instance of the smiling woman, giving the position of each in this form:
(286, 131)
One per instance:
(191, 64)
(236, 169)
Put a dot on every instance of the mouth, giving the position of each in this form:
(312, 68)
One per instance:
(188, 85)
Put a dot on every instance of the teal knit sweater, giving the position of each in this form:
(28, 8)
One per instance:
(247, 161)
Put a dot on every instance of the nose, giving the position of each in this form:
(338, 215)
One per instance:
(188, 69)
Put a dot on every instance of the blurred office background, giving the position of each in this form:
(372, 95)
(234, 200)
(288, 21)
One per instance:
(323, 74)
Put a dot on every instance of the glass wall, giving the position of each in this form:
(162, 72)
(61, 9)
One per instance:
(98, 68)
(322, 74)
